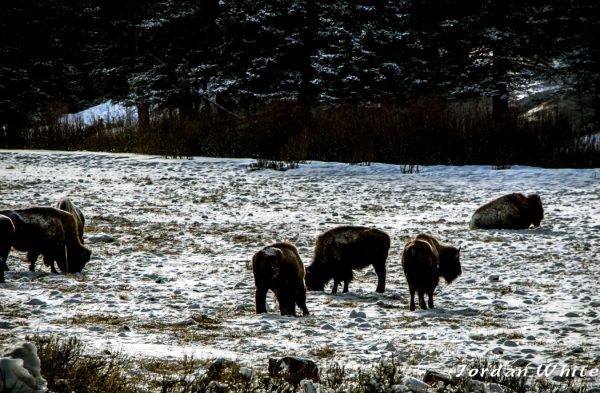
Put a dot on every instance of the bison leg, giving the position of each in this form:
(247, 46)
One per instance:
(32, 258)
(380, 271)
(286, 297)
(336, 282)
(3, 267)
(301, 299)
(3, 259)
(422, 300)
(347, 278)
(346, 283)
(260, 298)
(412, 299)
(430, 302)
(3, 264)
(50, 262)
(61, 258)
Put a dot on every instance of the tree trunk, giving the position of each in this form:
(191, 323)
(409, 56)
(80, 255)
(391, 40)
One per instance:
(500, 104)
(143, 116)
(596, 100)
(12, 134)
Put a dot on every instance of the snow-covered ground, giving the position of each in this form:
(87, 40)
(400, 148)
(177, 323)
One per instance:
(175, 280)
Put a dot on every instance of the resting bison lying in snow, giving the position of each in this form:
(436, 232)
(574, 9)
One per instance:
(7, 232)
(278, 267)
(512, 211)
(68, 206)
(50, 232)
(424, 260)
(343, 249)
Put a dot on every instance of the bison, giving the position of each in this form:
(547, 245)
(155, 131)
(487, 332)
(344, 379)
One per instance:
(512, 211)
(7, 233)
(424, 260)
(50, 232)
(278, 267)
(65, 204)
(343, 249)
(68, 206)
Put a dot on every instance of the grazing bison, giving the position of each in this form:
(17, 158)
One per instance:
(65, 204)
(278, 267)
(424, 260)
(50, 232)
(7, 233)
(343, 249)
(512, 211)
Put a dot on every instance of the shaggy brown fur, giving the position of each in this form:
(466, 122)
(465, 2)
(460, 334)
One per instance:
(343, 249)
(50, 232)
(278, 267)
(424, 260)
(67, 205)
(512, 211)
(7, 233)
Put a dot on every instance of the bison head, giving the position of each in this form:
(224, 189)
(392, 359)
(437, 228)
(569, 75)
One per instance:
(314, 279)
(536, 209)
(77, 257)
(449, 264)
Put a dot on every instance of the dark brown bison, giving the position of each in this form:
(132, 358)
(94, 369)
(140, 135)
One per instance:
(424, 260)
(7, 233)
(50, 232)
(343, 249)
(512, 211)
(65, 204)
(278, 267)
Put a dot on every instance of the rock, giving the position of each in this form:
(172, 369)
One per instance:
(416, 386)
(247, 373)
(510, 343)
(218, 387)
(6, 325)
(432, 377)
(520, 362)
(358, 314)
(575, 351)
(36, 302)
(21, 371)
(475, 386)
(494, 277)
(218, 366)
(101, 238)
(308, 386)
(399, 389)
(495, 388)
(572, 315)
(293, 369)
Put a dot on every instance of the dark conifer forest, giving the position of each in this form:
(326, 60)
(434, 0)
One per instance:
(402, 81)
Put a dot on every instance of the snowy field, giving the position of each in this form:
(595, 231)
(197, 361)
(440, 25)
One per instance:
(171, 240)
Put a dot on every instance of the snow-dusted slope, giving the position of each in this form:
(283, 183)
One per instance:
(175, 279)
